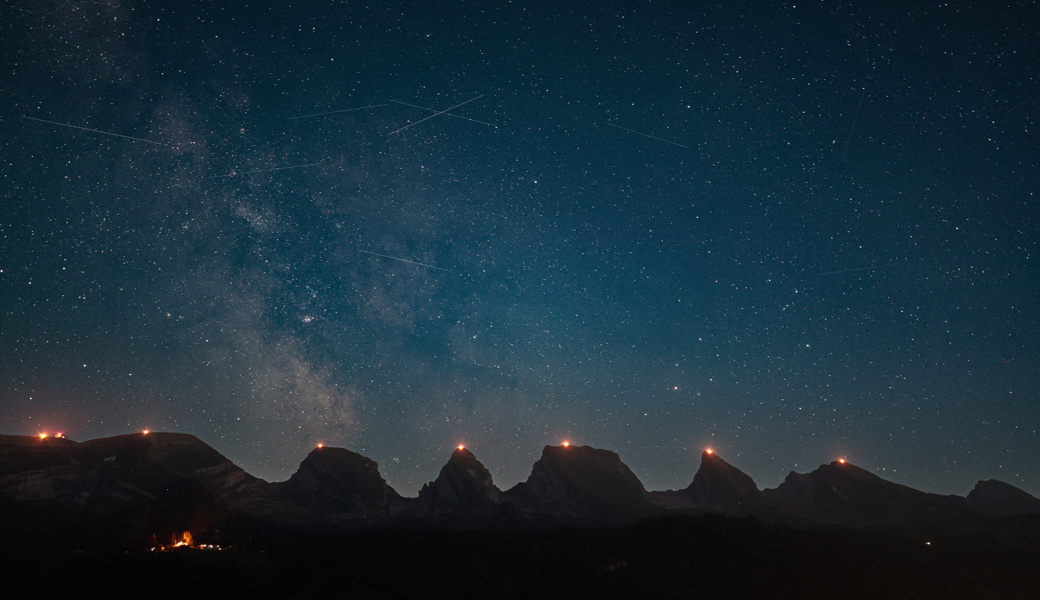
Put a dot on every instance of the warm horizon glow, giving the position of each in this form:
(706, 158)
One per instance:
(320, 445)
(43, 436)
(566, 443)
(841, 460)
(145, 432)
(709, 451)
(461, 447)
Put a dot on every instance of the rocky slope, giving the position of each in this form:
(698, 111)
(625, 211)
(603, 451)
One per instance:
(723, 487)
(464, 485)
(580, 484)
(846, 494)
(335, 484)
(157, 483)
(998, 498)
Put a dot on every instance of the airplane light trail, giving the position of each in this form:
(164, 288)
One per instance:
(449, 114)
(333, 112)
(647, 135)
(403, 260)
(237, 173)
(118, 135)
(436, 114)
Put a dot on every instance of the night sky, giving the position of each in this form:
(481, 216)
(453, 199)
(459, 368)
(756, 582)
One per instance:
(789, 232)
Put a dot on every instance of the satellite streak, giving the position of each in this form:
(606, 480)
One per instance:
(333, 112)
(859, 269)
(853, 128)
(648, 135)
(403, 260)
(436, 114)
(449, 114)
(237, 173)
(118, 135)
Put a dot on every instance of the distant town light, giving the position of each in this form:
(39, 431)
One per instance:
(43, 436)
(145, 432)
(566, 443)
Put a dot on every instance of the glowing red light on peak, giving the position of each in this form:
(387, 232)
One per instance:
(145, 432)
(461, 447)
(841, 460)
(43, 436)
(321, 445)
(566, 444)
(59, 435)
(709, 451)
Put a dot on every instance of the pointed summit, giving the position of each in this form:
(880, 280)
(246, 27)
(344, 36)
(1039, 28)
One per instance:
(463, 485)
(722, 486)
(580, 484)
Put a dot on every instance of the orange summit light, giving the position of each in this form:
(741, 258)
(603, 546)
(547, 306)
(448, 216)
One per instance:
(566, 443)
(709, 451)
(321, 445)
(841, 460)
(461, 447)
(145, 432)
(43, 436)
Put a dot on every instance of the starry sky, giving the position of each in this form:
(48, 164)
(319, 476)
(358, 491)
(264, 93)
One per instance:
(788, 231)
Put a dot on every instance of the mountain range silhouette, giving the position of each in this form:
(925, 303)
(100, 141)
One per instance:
(148, 484)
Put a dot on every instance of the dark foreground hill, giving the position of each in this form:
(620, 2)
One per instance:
(707, 556)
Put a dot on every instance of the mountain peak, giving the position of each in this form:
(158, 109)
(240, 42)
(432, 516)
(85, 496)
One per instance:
(834, 480)
(722, 486)
(999, 498)
(579, 483)
(462, 453)
(463, 485)
(342, 481)
(843, 468)
(852, 495)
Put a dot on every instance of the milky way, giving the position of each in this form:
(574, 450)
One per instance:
(789, 232)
